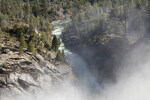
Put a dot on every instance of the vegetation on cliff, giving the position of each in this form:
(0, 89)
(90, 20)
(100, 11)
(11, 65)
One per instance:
(27, 23)
(106, 31)
(107, 19)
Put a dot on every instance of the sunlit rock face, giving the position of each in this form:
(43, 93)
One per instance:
(20, 74)
(132, 82)
(37, 78)
(30, 75)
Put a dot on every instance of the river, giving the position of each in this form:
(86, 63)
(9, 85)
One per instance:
(78, 65)
(133, 86)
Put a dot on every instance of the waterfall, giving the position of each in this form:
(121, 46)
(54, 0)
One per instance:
(132, 82)
(78, 65)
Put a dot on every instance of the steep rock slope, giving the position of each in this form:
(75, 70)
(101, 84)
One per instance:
(29, 72)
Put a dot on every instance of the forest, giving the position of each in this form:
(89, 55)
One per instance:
(99, 24)
(74, 49)
(106, 19)
(106, 31)
(29, 21)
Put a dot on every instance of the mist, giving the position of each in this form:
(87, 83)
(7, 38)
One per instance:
(132, 76)
(133, 79)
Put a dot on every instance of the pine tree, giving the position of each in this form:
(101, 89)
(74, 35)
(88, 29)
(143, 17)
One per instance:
(55, 43)
(20, 49)
(22, 43)
(59, 56)
(45, 8)
(27, 12)
(22, 40)
(30, 47)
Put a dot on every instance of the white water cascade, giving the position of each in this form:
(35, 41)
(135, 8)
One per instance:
(133, 83)
(79, 66)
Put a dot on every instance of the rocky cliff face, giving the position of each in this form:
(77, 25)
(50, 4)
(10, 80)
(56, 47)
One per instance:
(28, 72)
(103, 59)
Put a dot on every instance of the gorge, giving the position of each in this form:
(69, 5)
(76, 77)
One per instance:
(74, 49)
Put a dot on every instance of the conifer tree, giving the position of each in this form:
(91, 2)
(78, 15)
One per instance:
(22, 43)
(30, 47)
(22, 40)
(55, 43)
(59, 56)
(20, 49)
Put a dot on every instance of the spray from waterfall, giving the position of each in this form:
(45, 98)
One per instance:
(133, 79)
(132, 82)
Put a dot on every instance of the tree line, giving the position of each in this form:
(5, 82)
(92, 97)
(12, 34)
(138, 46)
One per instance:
(30, 22)
(105, 19)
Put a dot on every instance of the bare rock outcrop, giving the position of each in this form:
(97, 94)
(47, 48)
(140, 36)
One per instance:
(20, 73)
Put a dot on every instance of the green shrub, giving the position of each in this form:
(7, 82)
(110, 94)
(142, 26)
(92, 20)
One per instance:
(59, 56)
(22, 43)
(47, 46)
(5, 65)
(20, 48)
(18, 30)
(30, 47)
(22, 40)
(31, 58)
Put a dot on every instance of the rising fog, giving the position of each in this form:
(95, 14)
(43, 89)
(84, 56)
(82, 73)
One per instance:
(133, 83)
(132, 80)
